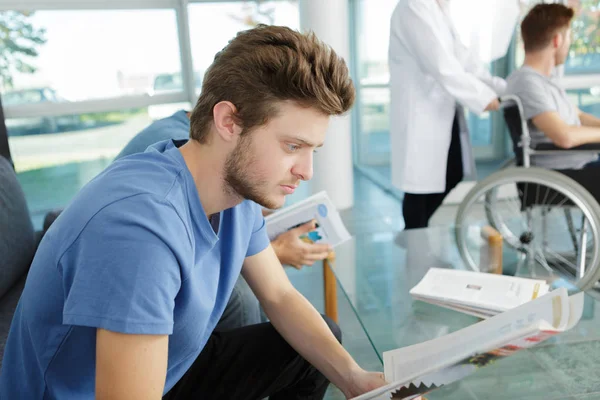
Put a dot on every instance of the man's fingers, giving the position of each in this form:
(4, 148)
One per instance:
(305, 228)
(312, 257)
(314, 248)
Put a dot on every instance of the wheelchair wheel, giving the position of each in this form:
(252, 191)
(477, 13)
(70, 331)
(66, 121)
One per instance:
(544, 217)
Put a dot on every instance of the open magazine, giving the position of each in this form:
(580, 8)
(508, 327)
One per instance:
(476, 293)
(330, 228)
(424, 367)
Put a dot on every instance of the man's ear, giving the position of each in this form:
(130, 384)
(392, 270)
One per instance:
(557, 40)
(225, 121)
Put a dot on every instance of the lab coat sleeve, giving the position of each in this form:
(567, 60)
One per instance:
(474, 65)
(423, 40)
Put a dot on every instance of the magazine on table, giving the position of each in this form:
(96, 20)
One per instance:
(476, 293)
(419, 369)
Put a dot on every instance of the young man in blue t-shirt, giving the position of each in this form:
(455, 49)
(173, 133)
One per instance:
(242, 308)
(129, 282)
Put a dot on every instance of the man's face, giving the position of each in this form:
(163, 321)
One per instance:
(269, 162)
(563, 51)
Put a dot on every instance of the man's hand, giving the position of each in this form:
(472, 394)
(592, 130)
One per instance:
(364, 381)
(291, 250)
(493, 106)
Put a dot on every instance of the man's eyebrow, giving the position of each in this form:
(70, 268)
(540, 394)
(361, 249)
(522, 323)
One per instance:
(305, 142)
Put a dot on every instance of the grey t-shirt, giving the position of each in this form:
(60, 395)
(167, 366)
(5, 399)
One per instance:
(540, 94)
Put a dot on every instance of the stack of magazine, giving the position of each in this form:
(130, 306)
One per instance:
(419, 369)
(480, 294)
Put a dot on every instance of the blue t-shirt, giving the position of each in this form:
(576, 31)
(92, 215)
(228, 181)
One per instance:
(177, 126)
(133, 253)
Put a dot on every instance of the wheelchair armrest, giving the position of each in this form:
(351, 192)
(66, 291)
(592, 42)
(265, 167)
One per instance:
(553, 147)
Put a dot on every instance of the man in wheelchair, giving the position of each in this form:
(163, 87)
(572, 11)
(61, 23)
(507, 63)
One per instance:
(548, 217)
(551, 116)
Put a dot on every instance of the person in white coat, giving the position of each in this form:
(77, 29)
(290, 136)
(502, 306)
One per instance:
(432, 77)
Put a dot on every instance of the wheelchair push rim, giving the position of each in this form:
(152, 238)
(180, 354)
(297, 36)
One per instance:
(577, 197)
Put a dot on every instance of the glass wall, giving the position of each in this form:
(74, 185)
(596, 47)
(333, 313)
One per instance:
(75, 92)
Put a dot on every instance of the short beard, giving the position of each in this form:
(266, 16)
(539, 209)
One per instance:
(240, 180)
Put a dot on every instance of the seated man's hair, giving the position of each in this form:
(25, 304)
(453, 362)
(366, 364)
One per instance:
(266, 65)
(542, 22)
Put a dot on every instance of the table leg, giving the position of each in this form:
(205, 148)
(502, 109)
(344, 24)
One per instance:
(330, 288)
(491, 256)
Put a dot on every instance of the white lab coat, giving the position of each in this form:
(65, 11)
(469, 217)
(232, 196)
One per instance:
(431, 74)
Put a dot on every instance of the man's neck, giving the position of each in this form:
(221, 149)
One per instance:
(541, 62)
(206, 166)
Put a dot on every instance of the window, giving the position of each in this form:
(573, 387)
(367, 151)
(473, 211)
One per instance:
(65, 57)
(80, 58)
(372, 40)
(371, 32)
(587, 100)
(584, 55)
(84, 82)
(374, 137)
(212, 25)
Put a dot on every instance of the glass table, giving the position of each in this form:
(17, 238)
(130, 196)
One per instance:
(376, 272)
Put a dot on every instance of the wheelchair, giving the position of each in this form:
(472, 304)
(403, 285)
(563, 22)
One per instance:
(549, 220)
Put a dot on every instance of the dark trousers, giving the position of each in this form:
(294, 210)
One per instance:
(251, 363)
(417, 209)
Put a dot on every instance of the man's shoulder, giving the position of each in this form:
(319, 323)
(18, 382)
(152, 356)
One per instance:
(525, 82)
(524, 75)
(145, 180)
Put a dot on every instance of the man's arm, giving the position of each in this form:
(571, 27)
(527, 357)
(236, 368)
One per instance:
(422, 35)
(588, 119)
(302, 326)
(130, 366)
(564, 135)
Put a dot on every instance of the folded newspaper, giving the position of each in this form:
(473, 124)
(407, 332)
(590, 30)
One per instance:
(476, 293)
(419, 369)
(330, 228)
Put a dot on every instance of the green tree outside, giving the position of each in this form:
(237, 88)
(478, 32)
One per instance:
(19, 45)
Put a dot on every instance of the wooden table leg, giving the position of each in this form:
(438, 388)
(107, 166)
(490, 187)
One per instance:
(490, 258)
(330, 288)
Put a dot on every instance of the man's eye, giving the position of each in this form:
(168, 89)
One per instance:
(293, 147)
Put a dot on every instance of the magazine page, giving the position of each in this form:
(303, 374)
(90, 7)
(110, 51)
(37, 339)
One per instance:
(484, 291)
(552, 310)
(418, 369)
(330, 228)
